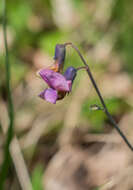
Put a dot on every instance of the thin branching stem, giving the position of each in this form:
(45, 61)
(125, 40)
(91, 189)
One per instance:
(112, 121)
(7, 160)
(79, 68)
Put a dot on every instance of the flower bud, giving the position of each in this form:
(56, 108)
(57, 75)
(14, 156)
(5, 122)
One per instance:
(60, 52)
(70, 73)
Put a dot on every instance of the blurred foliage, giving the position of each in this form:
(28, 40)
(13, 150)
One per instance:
(122, 19)
(54, 37)
(47, 35)
(97, 118)
(36, 178)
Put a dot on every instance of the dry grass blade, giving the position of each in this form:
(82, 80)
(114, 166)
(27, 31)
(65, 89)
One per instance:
(16, 154)
(20, 165)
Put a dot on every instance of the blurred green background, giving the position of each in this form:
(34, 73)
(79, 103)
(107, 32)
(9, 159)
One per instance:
(103, 31)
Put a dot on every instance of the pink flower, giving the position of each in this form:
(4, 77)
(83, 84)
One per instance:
(58, 84)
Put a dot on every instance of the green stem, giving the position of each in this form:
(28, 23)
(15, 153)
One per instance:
(112, 121)
(7, 160)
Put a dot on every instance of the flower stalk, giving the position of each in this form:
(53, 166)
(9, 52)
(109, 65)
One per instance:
(112, 121)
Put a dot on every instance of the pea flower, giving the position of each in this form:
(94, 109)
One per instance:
(59, 85)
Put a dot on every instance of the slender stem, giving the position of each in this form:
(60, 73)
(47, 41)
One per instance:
(79, 68)
(112, 121)
(7, 160)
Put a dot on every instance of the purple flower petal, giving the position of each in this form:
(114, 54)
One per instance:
(55, 80)
(45, 74)
(69, 82)
(50, 95)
